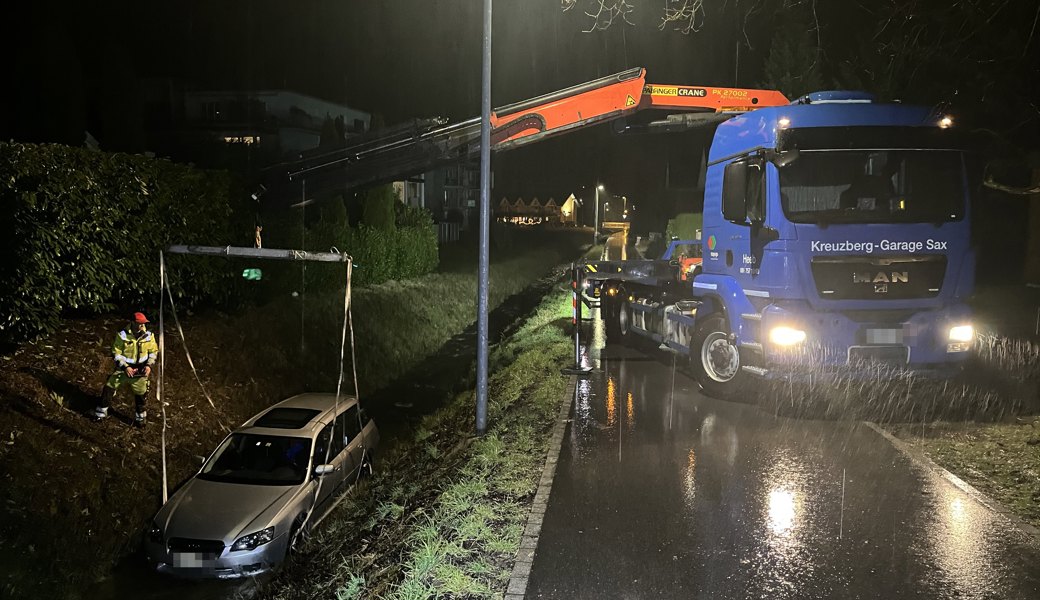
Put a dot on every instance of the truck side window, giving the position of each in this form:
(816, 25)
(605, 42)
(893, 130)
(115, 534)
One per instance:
(756, 196)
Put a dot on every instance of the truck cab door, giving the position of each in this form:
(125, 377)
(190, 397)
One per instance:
(737, 244)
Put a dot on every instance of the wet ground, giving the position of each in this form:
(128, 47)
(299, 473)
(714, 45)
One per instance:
(661, 492)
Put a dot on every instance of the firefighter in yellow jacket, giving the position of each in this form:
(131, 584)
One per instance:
(134, 351)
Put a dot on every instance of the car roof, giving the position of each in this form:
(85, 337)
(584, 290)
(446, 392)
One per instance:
(293, 413)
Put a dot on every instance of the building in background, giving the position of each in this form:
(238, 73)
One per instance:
(243, 130)
(452, 193)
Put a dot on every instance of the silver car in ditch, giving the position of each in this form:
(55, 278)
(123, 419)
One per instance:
(268, 483)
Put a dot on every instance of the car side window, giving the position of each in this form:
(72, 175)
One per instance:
(338, 441)
(353, 428)
(321, 445)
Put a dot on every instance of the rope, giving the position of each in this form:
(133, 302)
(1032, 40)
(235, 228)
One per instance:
(353, 363)
(184, 343)
(162, 371)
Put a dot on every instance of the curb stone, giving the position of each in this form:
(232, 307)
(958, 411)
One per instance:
(923, 460)
(517, 587)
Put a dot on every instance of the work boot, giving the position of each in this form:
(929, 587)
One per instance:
(139, 419)
(101, 411)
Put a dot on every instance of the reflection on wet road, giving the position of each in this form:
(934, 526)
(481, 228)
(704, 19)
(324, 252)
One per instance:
(661, 492)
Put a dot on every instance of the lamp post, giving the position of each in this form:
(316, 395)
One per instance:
(595, 221)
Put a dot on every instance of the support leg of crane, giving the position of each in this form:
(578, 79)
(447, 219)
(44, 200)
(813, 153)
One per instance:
(576, 276)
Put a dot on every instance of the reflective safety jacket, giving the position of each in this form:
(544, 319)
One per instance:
(130, 351)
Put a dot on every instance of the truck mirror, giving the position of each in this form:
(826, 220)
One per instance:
(782, 159)
(734, 191)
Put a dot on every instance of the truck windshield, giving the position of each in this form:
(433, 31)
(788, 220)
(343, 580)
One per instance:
(873, 186)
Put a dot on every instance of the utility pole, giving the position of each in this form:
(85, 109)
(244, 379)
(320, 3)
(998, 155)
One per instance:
(485, 224)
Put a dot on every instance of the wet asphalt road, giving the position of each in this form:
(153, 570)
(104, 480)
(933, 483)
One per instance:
(661, 492)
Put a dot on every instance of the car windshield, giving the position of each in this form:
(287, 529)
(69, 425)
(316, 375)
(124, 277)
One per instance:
(259, 460)
(873, 186)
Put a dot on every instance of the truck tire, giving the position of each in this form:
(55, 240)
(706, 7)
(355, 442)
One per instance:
(618, 321)
(716, 361)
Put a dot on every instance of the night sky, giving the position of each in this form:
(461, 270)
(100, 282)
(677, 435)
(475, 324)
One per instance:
(79, 67)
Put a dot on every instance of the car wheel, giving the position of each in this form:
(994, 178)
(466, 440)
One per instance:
(715, 360)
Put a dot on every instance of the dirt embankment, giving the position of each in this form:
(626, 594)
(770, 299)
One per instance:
(76, 495)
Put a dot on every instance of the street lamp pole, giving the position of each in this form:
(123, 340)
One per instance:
(595, 222)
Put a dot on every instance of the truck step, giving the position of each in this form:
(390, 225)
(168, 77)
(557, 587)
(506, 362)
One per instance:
(751, 316)
(753, 346)
(757, 371)
(688, 306)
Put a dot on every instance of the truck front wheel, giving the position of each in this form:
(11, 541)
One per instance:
(716, 360)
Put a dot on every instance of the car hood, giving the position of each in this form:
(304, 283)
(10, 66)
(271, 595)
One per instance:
(209, 510)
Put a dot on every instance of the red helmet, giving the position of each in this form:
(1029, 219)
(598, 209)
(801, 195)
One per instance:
(140, 318)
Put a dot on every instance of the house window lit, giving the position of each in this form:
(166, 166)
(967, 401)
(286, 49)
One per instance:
(242, 139)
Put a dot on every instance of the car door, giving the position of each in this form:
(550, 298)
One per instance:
(347, 422)
(329, 482)
(356, 443)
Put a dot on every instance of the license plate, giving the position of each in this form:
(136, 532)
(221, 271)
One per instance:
(193, 560)
(884, 336)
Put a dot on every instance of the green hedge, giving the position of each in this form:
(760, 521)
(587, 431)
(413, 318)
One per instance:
(82, 230)
(379, 254)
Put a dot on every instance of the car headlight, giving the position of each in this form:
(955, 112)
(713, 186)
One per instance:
(251, 541)
(786, 336)
(962, 333)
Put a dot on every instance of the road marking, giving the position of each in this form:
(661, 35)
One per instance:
(922, 460)
(517, 586)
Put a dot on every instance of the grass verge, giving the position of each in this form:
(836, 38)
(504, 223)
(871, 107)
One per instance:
(1000, 459)
(444, 515)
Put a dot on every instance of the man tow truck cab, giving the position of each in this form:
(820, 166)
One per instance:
(836, 232)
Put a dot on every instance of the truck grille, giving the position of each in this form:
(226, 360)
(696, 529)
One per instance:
(878, 278)
(201, 546)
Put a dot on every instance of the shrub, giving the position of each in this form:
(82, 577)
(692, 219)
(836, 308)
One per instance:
(377, 207)
(83, 230)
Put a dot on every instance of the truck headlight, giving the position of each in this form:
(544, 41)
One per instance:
(961, 338)
(962, 333)
(786, 336)
(251, 541)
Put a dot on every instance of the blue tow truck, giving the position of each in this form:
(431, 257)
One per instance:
(836, 227)
(836, 232)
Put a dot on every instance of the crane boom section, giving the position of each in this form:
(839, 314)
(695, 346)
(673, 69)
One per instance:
(578, 106)
(718, 99)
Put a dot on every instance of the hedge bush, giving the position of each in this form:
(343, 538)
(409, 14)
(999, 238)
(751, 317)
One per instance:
(379, 254)
(81, 229)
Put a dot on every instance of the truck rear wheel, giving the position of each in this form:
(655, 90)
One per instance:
(618, 321)
(716, 360)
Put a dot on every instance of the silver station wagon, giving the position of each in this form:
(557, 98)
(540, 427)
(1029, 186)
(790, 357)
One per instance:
(264, 488)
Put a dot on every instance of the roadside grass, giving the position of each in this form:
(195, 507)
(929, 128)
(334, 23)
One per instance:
(1000, 459)
(444, 515)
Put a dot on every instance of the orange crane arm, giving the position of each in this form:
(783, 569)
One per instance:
(611, 97)
(718, 99)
